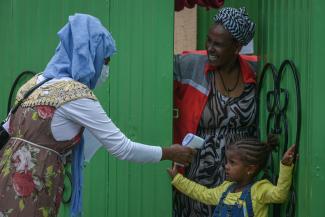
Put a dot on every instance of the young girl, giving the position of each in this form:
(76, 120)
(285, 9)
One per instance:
(240, 195)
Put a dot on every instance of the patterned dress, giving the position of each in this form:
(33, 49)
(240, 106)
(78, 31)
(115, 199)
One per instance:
(31, 168)
(223, 121)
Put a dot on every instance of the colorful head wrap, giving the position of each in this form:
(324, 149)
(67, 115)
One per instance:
(237, 22)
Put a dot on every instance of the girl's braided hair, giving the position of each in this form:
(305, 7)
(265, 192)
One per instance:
(254, 152)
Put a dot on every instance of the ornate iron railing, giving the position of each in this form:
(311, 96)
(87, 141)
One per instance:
(277, 112)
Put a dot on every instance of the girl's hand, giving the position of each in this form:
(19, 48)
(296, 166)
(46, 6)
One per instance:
(287, 158)
(172, 172)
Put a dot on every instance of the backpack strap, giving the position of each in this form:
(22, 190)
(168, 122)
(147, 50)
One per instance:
(27, 94)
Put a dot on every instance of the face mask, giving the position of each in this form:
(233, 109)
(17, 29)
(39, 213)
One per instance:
(103, 75)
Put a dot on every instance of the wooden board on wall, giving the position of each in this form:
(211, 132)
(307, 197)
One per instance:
(185, 30)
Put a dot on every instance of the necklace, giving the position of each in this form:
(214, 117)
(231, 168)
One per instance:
(228, 89)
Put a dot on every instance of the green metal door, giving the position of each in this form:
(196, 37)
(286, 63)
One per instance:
(292, 30)
(138, 95)
(141, 103)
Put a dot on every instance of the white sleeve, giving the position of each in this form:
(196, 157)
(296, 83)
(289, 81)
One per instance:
(90, 114)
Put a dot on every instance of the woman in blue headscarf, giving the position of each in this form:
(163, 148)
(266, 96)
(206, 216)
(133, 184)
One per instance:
(50, 123)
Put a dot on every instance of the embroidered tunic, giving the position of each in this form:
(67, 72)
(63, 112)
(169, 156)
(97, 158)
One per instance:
(31, 169)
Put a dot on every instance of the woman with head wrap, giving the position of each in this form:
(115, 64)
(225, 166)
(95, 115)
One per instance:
(50, 123)
(214, 92)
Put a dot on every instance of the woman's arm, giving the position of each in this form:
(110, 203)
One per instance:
(90, 114)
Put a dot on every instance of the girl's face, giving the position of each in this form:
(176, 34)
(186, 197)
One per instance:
(236, 169)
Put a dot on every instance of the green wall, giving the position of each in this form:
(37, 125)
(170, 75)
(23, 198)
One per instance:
(138, 95)
(292, 30)
(314, 79)
(285, 33)
(141, 103)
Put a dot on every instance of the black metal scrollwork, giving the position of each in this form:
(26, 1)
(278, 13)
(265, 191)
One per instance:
(277, 103)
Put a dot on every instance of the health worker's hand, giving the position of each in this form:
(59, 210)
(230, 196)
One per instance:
(178, 153)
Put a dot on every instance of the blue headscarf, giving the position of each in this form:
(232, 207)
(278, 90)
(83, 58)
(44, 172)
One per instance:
(84, 44)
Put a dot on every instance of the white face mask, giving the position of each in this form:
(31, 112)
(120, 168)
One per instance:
(103, 75)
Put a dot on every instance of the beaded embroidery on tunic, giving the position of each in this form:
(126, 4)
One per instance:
(55, 94)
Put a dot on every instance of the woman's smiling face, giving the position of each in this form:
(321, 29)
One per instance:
(222, 48)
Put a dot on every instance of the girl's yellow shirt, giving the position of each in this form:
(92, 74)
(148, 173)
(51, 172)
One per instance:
(263, 192)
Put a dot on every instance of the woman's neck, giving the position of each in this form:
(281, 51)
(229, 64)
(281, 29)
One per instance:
(230, 68)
